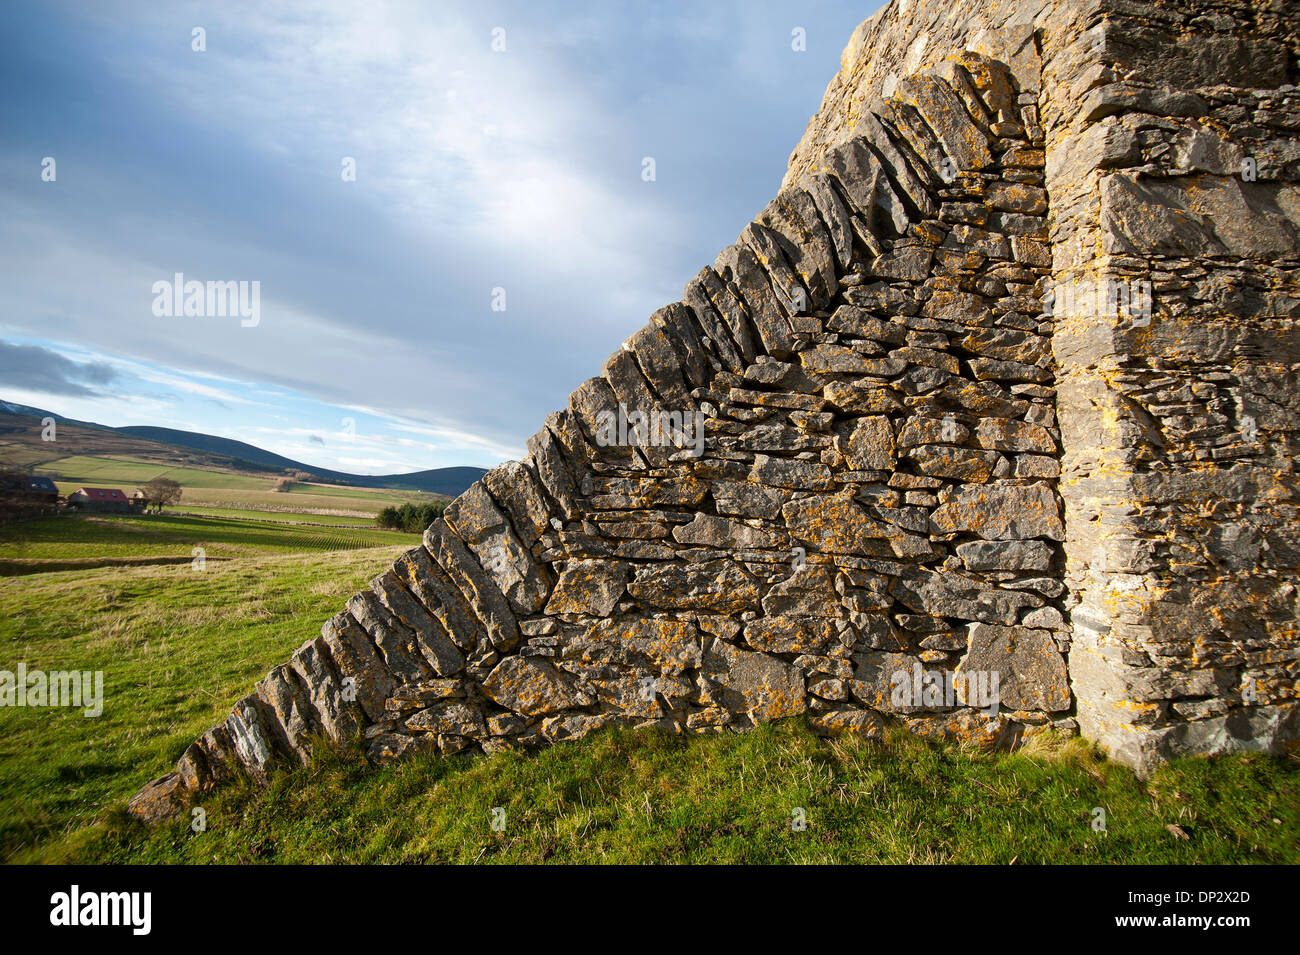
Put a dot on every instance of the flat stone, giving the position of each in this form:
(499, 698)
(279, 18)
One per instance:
(807, 592)
(1001, 512)
(723, 586)
(589, 587)
(875, 675)
(1031, 555)
(868, 444)
(955, 464)
(947, 593)
(760, 686)
(1032, 674)
(709, 531)
(1006, 434)
(161, 799)
(782, 634)
(457, 719)
(528, 686)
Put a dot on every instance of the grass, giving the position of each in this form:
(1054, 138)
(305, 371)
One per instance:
(626, 796)
(296, 502)
(212, 487)
(78, 470)
(177, 648)
(283, 517)
(305, 499)
(172, 535)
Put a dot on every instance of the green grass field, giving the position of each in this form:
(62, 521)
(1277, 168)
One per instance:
(178, 648)
(170, 535)
(119, 472)
(295, 503)
(225, 489)
(648, 797)
(282, 517)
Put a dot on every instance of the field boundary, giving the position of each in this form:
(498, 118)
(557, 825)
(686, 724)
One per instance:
(20, 567)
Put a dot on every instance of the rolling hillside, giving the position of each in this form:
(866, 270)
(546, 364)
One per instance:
(21, 447)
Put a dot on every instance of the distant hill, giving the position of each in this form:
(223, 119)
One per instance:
(210, 442)
(21, 424)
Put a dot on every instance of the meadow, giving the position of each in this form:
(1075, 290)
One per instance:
(177, 646)
(173, 535)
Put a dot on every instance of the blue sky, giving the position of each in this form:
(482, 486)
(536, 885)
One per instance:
(377, 348)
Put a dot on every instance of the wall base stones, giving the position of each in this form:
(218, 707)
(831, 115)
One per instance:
(868, 470)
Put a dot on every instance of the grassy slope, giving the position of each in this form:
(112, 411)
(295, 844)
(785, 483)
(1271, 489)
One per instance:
(100, 472)
(311, 500)
(178, 648)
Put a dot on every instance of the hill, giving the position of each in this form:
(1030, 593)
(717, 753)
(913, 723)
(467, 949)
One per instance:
(21, 445)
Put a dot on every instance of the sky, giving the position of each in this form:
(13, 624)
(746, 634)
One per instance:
(443, 217)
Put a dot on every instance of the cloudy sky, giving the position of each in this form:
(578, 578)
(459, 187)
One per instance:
(500, 158)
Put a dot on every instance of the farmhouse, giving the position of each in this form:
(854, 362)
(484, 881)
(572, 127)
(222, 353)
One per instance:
(42, 490)
(103, 499)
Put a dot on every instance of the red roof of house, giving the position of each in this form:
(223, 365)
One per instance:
(102, 493)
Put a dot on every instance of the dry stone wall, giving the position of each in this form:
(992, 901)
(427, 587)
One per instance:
(1174, 155)
(828, 481)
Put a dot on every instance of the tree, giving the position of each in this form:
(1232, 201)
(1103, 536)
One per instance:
(412, 518)
(160, 492)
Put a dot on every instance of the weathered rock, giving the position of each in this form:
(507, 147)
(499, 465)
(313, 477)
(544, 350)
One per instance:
(528, 687)
(734, 498)
(708, 531)
(364, 676)
(1029, 555)
(875, 677)
(947, 593)
(502, 555)
(431, 638)
(955, 464)
(835, 524)
(761, 687)
(589, 587)
(809, 591)
(1001, 512)
(790, 634)
(482, 594)
(159, 800)
(455, 719)
(868, 445)
(722, 586)
(1031, 671)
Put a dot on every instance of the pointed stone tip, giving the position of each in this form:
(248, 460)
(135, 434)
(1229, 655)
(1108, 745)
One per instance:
(162, 799)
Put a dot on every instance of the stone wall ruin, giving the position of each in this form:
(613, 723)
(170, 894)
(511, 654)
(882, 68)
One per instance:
(921, 455)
